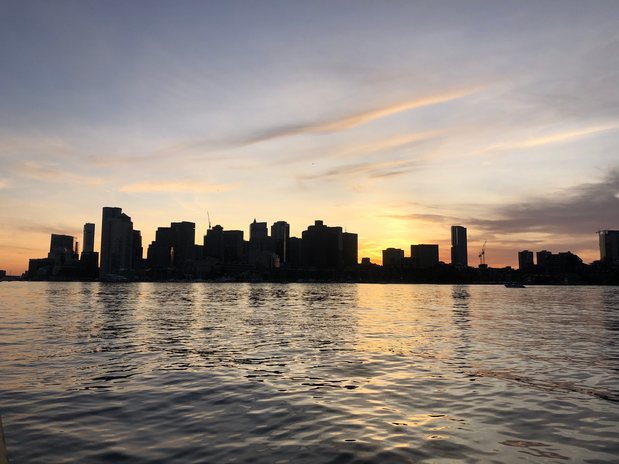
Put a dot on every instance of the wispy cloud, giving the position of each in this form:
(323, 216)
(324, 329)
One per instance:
(561, 137)
(433, 218)
(175, 186)
(376, 170)
(50, 172)
(579, 210)
(348, 122)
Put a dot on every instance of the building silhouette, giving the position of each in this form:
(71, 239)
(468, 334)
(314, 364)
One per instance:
(173, 245)
(609, 246)
(88, 242)
(459, 253)
(116, 242)
(214, 243)
(280, 233)
(393, 257)
(424, 256)
(322, 246)
(258, 230)
(525, 260)
(350, 249)
(63, 244)
(233, 246)
(542, 257)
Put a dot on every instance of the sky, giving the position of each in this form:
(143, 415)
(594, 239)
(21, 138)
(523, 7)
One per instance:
(393, 119)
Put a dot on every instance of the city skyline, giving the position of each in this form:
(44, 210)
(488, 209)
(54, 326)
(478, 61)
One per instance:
(394, 121)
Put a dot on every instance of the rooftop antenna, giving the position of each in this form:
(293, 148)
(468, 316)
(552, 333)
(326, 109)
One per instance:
(209, 220)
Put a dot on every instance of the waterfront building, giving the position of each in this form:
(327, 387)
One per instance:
(609, 246)
(214, 243)
(280, 233)
(459, 253)
(350, 249)
(137, 251)
(525, 260)
(258, 230)
(173, 245)
(294, 253)
(542, 257)
(233, 246)
(62, 244)
(393, 257)
(322, 246)
(424, 256)
(88, 242)
(116, 242)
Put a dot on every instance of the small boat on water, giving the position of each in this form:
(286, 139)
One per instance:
(514, 286)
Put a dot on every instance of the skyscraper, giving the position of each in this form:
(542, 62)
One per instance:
(88, 244)
(609, 246)
(322, 246)
(280, 232)
(116, 242)
(258, 230)
(459, 255)
(214, 243)
(525, 260)
(393, 257)
(424, 256)
(350, 249)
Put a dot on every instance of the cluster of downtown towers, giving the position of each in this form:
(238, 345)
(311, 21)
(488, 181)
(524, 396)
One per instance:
(174, 247)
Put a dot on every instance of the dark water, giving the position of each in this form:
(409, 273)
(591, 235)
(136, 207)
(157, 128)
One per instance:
(316, 373)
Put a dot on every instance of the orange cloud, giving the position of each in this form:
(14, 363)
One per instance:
(564, 136)
(175, 186)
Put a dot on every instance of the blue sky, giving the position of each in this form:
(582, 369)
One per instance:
(395, 119)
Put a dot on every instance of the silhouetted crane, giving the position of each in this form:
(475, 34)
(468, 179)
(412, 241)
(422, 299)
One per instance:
(482, 254)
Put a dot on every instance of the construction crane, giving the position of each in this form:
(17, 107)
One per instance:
(482, 255)
(209, 220)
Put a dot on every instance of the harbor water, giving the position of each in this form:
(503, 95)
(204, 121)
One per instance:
(308, 373)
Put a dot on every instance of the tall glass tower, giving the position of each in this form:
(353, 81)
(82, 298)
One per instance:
(459, 256)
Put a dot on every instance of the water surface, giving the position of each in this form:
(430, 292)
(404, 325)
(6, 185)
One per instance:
(316, 373)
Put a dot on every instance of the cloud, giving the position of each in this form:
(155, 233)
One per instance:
(583, 209)
(40, 171)
(434, 218)
(175, 186)
(376, 170)
(357, 119)
(579, 210)
(564, 136)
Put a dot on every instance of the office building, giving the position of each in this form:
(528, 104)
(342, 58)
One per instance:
(350, 249)
(424, 256)
(62, 244)
(214, 243)
(137, 251)
(116, 242)
(459, 252)
(88, 243)
(233, 246)
(542, 257)
(258, 230)
(294, 252)
(322, 246)
(609, 246)
(393, 257)
(525, 260)
(280, 233)
(173, 245)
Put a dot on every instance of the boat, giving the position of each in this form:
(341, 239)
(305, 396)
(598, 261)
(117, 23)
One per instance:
(514, 286)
